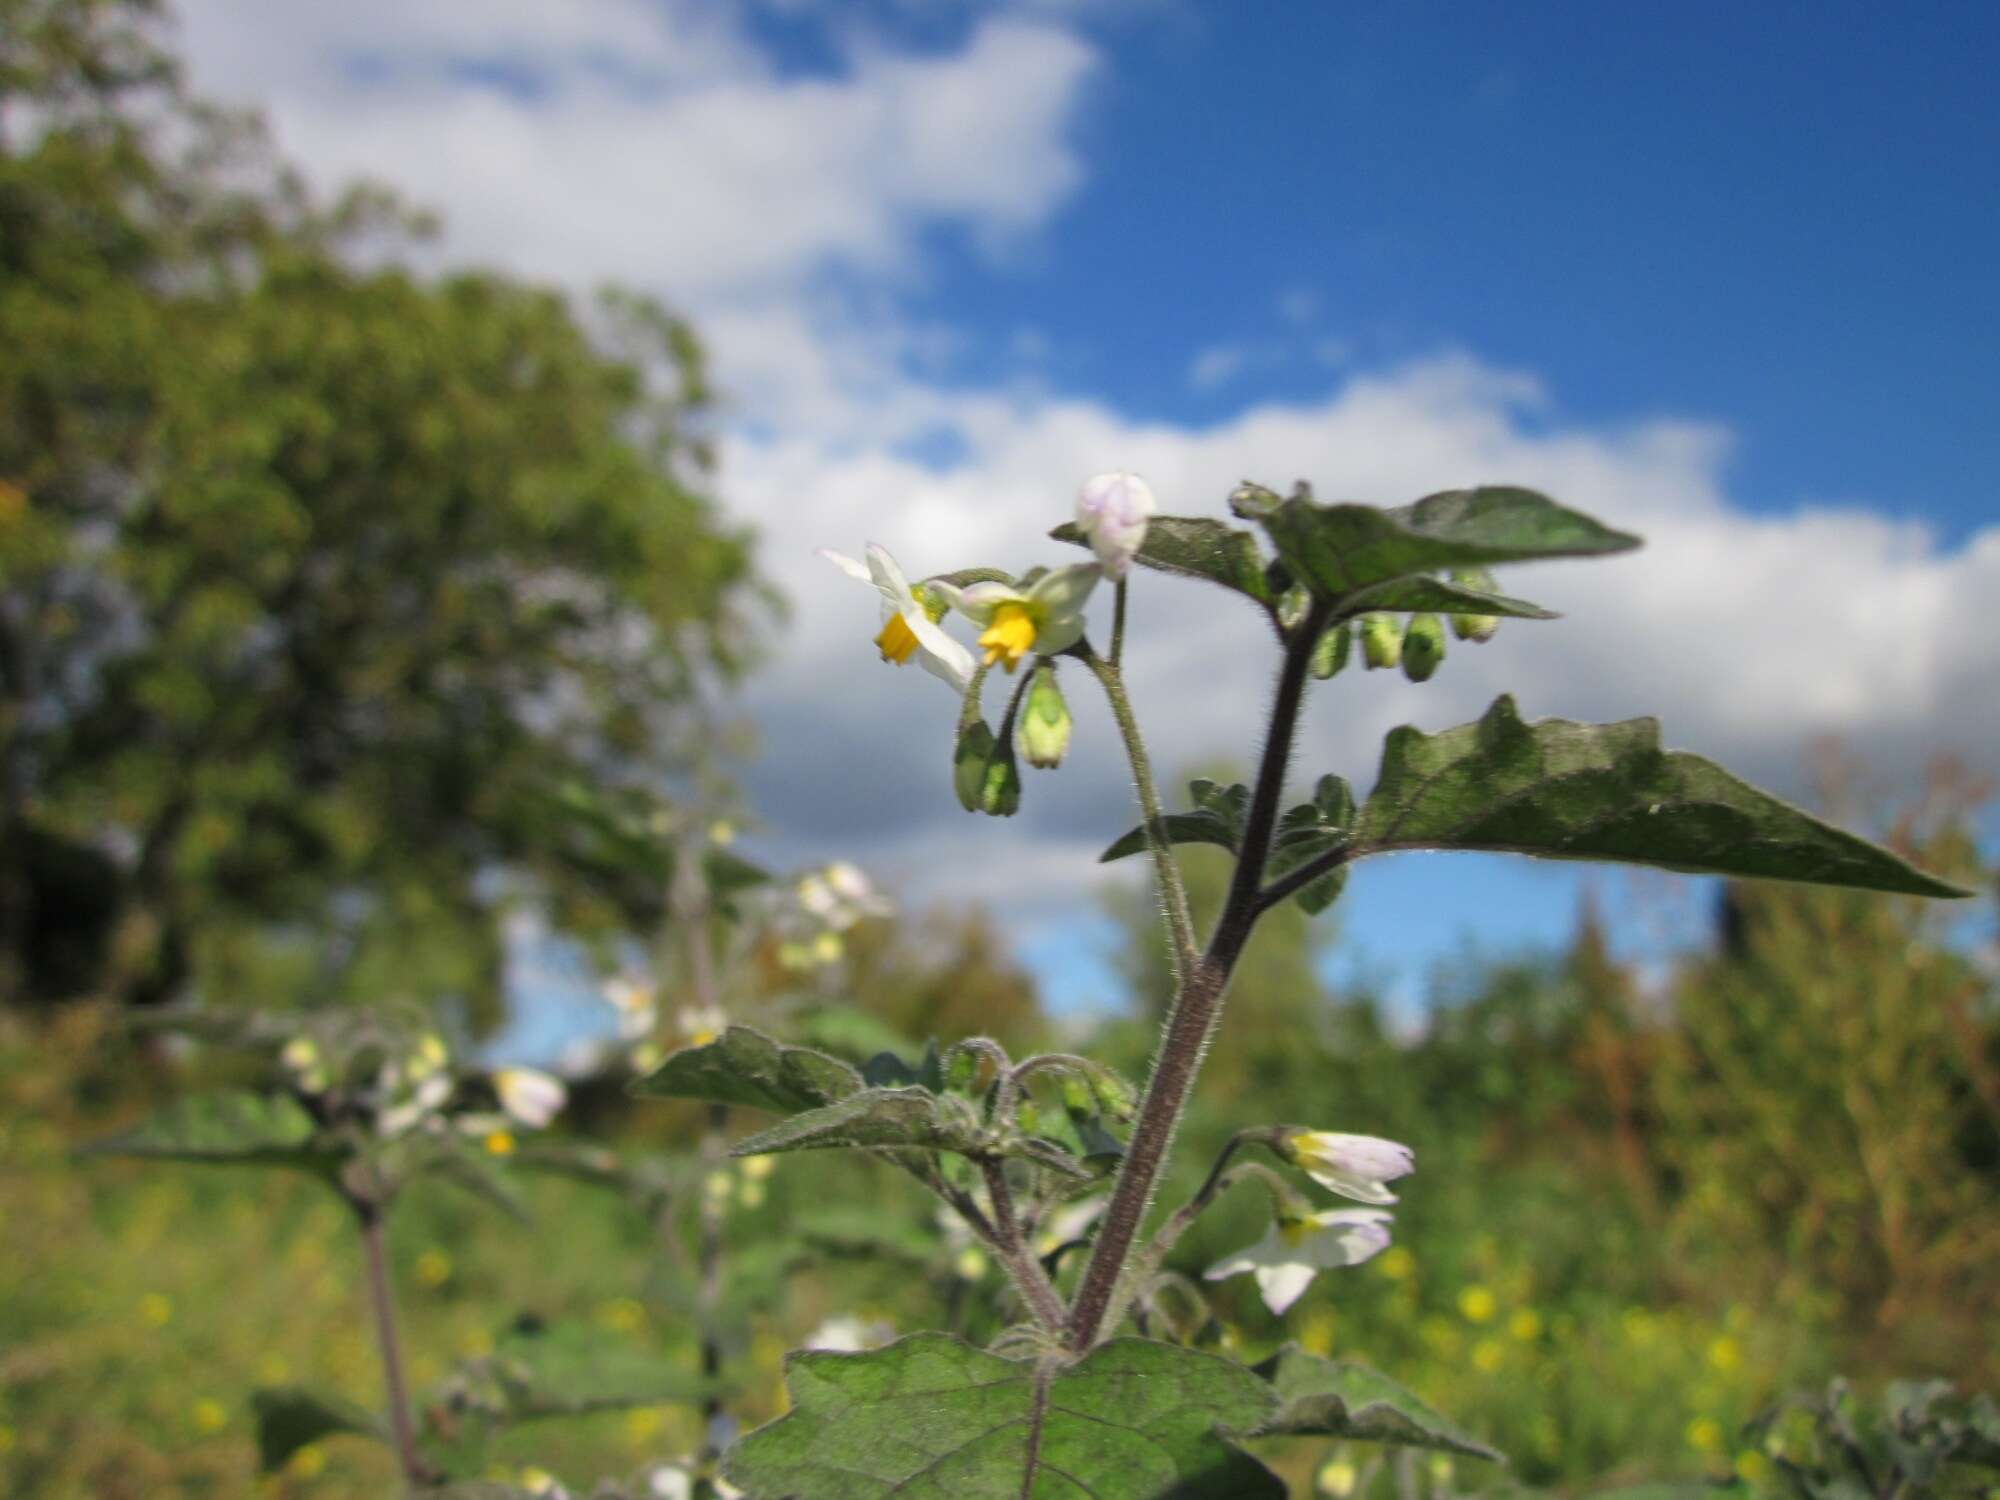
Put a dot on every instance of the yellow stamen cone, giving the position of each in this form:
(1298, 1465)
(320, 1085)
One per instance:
(1010, 635)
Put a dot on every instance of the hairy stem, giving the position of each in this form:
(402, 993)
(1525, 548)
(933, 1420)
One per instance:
(1166, 869)
(382, 1298)
(1027, 1271)
(1118, 625)
(1191, 1021)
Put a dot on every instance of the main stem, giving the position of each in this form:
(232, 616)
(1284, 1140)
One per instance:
(1198, 1002)
(382, 1297)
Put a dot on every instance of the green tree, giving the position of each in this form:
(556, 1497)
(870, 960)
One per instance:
(316, 573)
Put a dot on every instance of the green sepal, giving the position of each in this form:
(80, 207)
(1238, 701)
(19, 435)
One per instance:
(743, 1066)
(1342, 1399)
(288, 1418)
(1564, 790)
(930, 1417)
(1196, 547)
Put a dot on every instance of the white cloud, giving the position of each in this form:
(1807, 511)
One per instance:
(1217, 365)
(651, 140)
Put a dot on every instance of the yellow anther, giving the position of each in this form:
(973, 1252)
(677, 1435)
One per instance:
(897, 642)
(1010, 635)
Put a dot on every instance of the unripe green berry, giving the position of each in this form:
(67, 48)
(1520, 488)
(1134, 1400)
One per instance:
(1114, 1095)
(1381, 642)
(1028, 1117)
(962, 1071)
(1476, 628)
(1077, 1098)
(1423, 647)
(1043, 735)
(1330, 651)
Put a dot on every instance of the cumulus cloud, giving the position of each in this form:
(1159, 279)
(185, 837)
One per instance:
(654, 141)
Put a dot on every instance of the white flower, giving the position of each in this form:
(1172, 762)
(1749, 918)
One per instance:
(701, 1024)
(1297, 1249)
(632, 997)
(1069, 1222)
(665, 1482)
(1112, 511)
(530, 1096)
(848, 1335)
(1354, 1166)
(418, 1090)
(840, 895)
(907, 628)
(1046, 619)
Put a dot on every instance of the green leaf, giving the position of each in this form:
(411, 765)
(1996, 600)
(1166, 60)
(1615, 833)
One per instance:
(899, 1119)
(748, 1068)
(231, 1127)
(569, 1369)
(1196, 547)
(463, 1164)
(289, 1418)
(1564, 790)
(1217, 819)
(1420, 593)
(1342, 550)
(932, 1418)
(1310, 830)
(1339, 1398)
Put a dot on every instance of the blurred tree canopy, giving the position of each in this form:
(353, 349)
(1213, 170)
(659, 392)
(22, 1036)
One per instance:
(315, 572)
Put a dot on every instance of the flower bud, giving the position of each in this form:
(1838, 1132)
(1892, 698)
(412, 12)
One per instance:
(1077, 1097)
(1475, 628)
(1114, 1095)
(1043, 735)
(1423, 647)
(1112, 511)
(1000, 793)
(961, 1072)
(1381, 642)
(1330, 651)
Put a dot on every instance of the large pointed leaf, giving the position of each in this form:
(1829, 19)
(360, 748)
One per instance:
(932, 1418)
(289, 1418)
(1338, 1398)
(230, 1127)
(1565, 790)
(1340, 550)
(900, 1120)
(1196, 547)
(746, 1067)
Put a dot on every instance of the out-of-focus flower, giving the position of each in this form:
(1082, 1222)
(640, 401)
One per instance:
(841, 895)
(908, 629)
(669, 1482)
(1354, 1166)
(848, 1335)
(1069, 1222)
(701, 1024)
(1298, 1248)
(1045, 619)
(1112, 511)
(529, 1095)
(543, 1485)
(636, 1002)
(302, 1059)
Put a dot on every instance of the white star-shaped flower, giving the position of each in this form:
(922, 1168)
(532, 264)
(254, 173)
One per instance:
(1298, 1248)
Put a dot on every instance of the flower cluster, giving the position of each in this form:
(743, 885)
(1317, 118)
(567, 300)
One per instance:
(1302, 1241)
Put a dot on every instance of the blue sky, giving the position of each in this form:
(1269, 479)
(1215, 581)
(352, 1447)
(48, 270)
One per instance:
(1721, 274)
